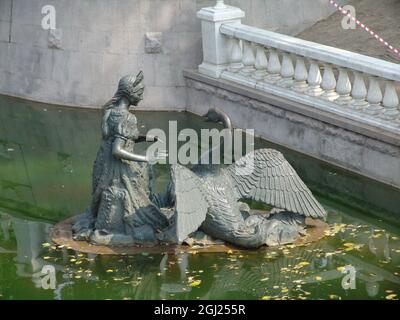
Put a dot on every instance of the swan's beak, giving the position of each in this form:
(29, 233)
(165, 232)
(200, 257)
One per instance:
(205, 115)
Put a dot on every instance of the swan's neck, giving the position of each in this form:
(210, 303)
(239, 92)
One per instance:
(226, 122)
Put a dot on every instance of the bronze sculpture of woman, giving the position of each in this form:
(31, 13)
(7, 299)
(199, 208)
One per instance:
(121, 210)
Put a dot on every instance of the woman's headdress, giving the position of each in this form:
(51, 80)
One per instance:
(128, 84)
(127, 87)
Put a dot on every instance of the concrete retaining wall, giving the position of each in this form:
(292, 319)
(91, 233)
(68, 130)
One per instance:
(102, 40)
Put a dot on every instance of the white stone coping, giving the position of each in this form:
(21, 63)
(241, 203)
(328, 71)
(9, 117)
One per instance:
(220, 14)
(316, 51)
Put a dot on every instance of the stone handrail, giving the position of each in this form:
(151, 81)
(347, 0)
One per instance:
(312, 50)
(353, 85)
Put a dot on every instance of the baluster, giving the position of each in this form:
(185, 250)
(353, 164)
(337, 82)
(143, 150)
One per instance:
(390, 102)
(300, 75)
(274, 67)
(248, 59)
(374, 97)
(329, 83)
(236, 56)
(359, 92)
(343, 87)
(287, 71)
(314, 79)
(261, 63)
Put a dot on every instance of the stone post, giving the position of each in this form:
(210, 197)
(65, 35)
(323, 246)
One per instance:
(215, 45)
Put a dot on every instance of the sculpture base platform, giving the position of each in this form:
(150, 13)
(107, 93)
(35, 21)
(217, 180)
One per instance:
(61, 234)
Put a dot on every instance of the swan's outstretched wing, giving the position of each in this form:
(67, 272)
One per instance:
(265, 175)
(190, 205)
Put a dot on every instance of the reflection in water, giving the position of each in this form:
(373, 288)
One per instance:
(296, 272)
(46, 156)
(27, 240)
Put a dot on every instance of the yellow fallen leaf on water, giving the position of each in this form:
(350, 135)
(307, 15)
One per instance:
(318, 278)
(46, 258)
(109, 270)
(340, 269)
(118, 279)
(72, 260)
(284, 290)
(303, 264)
(348, 244)
(391, 296)
(264, 279)
(195, 283)
(335, 229)
(266, 298)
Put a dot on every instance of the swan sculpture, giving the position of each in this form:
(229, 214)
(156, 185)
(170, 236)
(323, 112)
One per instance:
(208, 198)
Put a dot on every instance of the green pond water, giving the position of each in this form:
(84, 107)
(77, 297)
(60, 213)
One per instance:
(46, 156)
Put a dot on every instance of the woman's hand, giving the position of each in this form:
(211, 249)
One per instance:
(158, 156)
(153, 138)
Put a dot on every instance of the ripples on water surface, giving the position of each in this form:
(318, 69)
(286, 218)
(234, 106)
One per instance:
(46, 154)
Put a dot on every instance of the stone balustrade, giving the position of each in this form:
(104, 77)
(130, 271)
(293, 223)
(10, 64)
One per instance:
(350, 84)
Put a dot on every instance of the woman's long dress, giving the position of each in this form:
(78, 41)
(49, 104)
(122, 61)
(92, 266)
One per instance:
(121, 194)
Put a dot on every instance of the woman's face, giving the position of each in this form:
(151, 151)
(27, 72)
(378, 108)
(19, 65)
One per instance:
(138, 96)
